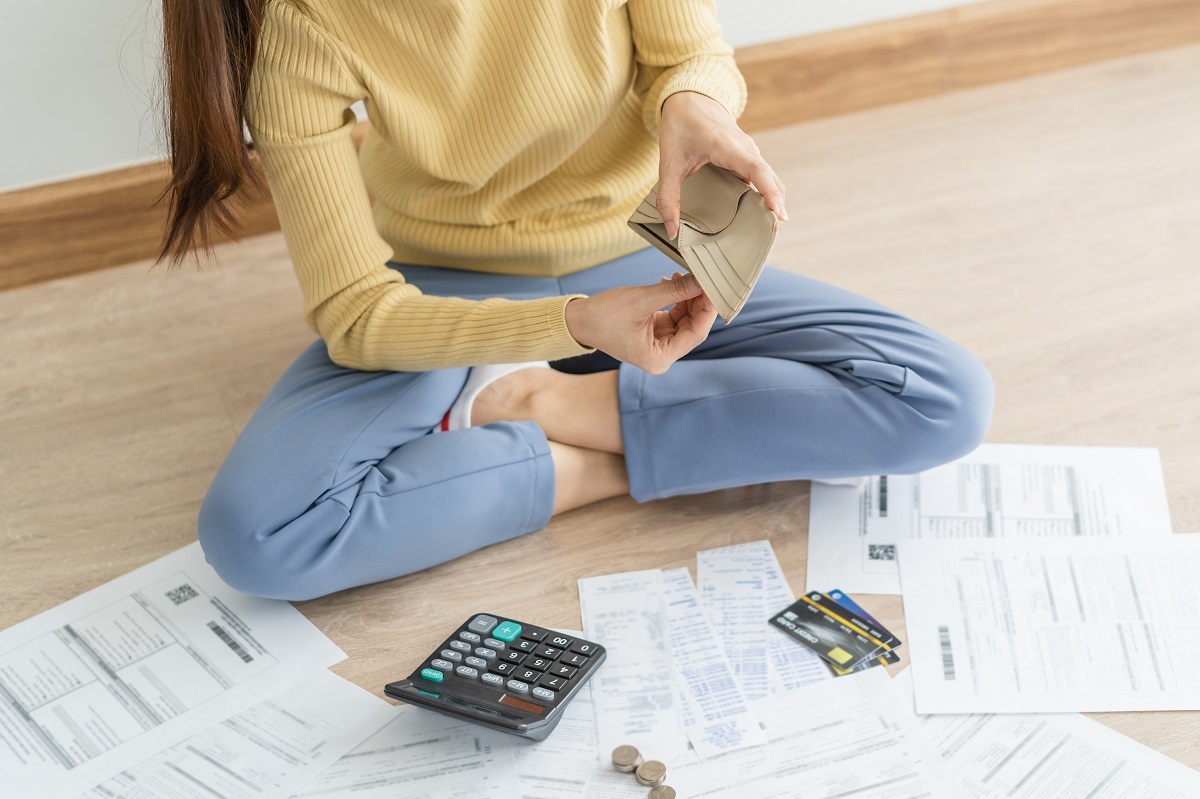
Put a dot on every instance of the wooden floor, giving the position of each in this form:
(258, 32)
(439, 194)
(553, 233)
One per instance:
(1050, 225)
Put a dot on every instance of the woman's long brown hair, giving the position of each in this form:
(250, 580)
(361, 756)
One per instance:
(209, 48)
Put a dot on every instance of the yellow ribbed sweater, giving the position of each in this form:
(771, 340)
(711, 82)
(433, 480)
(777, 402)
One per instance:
(508, 136)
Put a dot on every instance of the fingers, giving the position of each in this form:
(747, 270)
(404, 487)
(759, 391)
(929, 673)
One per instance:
(769, 185)
(671, 174)
(669, 292)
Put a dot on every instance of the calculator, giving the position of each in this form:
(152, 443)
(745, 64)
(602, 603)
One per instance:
(502, 674)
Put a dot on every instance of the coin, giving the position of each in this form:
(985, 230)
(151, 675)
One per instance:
(652, 772)
(661, 792)
(626, 758)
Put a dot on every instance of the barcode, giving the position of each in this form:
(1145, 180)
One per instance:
(182, 594)
(947, 654)
(228, 639)
(883, 497)
(881, 551)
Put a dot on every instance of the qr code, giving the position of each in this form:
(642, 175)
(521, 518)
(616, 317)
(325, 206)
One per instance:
(881, 551)
(182, 594)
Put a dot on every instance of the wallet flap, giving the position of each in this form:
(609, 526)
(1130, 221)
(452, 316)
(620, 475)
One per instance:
(708, 201)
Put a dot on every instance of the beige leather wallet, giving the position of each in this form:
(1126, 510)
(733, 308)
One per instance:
(725, 233)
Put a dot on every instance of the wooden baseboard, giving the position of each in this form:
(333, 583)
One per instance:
(889, 62)
(94, 222)
(90, 223)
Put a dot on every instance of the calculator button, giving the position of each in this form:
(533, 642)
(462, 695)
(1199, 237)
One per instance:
(493, 679)
(482, 624)
(528, 675)
(525, 646)
(533, 634)
(552, 682)
(485, 653)
(469, 637)
(583, 648)
(467, 672)
(560, 641)
(518, 687)
(513, 656)
(563, 670)
(461, 646)
(433, 675)
(574, 660)
(450, 654)
(539, 664)
(507, 631)
(504, 668)
(548, 652)
(492, 643)
(444, 665)
(544, 694)
(478, 663)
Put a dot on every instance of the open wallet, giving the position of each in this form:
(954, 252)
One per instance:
(725, 233)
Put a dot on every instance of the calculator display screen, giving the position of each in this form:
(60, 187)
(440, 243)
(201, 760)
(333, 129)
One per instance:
(454, 700)
(527, 706)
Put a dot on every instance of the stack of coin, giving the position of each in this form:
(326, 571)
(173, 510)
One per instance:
(626, 758)
(652, 772)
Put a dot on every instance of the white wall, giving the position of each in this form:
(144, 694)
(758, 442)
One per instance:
(78, 78)
(748, 22)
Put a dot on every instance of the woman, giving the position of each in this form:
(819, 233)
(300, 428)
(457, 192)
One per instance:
(508, 144)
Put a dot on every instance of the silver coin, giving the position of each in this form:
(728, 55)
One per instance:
(652, 772)
(626, 758)
(661, 792)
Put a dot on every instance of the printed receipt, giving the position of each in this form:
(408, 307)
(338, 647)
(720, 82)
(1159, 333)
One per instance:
(715, 714)
(1053, 625)
(122, 672)
(423, 755)
(997, 491)
(1049, 756)
(268, 751)
(846, 737)
(633, 692)
(740, 587)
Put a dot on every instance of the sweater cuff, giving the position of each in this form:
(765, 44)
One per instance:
(717, 78)
(562, 343)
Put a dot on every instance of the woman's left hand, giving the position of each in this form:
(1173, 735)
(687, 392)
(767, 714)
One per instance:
(696, 130)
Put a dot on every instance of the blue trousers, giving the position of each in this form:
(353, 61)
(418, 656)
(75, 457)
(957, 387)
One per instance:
(337, 480)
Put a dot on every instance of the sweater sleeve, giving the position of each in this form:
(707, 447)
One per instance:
(298, 114)
(679, 48)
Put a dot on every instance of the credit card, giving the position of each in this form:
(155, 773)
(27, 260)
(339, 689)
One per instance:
(833, 632)
(843, 599)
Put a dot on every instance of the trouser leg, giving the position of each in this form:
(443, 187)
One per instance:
(808, 381)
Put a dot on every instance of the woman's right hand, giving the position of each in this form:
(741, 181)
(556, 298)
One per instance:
(628, 324)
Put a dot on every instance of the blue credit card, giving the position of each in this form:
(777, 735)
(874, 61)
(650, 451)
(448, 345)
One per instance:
(844, 599)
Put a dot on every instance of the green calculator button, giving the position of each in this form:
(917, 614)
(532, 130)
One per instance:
(433, 675)
(506, 631)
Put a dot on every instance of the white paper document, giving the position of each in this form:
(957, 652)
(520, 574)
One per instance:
(424, 755)
(848, 737)
(112, 677)
(268, 751)
(998, 491)
(1053, 625)
(565, 763)
(715, 713)
(633, 693)
(1049, 756)
(740, 587)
